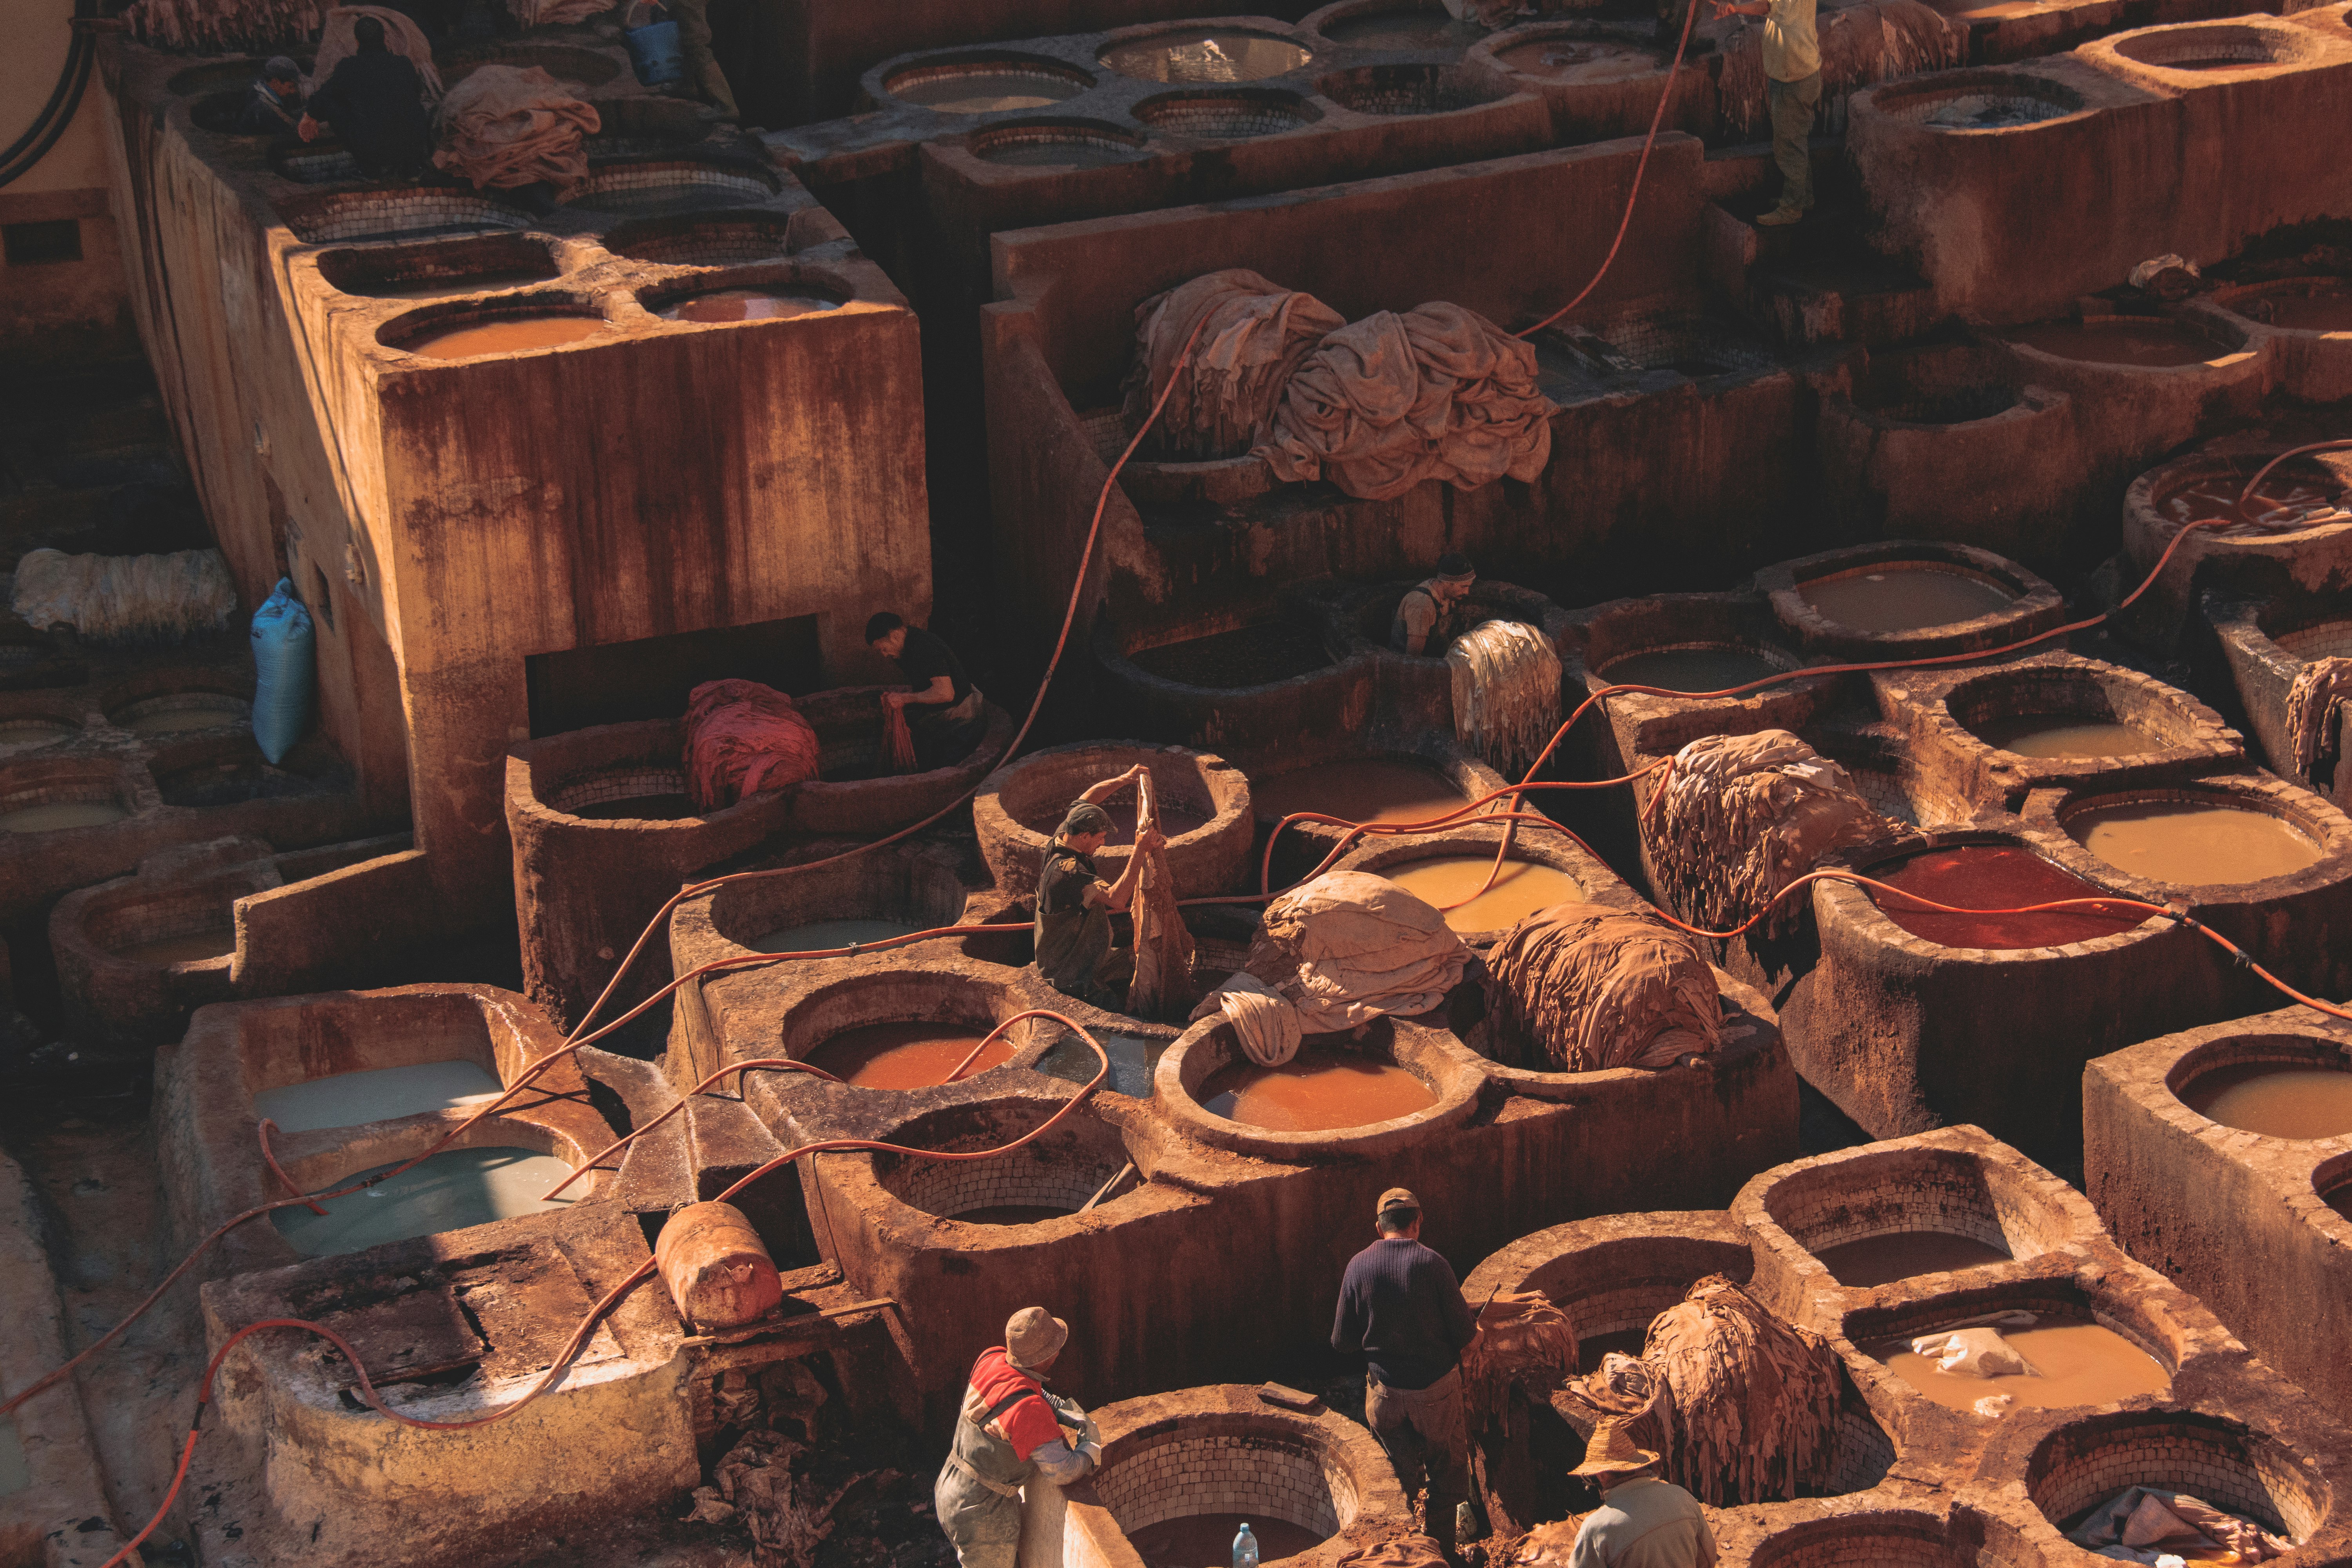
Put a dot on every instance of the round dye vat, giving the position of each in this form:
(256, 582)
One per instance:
(2275, 1101)
(907, 1055)
(818, 936)
(2174, 841)
(1904, 1255)
(2142, 342)
(193, 947)
(1011, 1214)
(54, 814)
(1372, 789)
(1708, 669)
(2073, 1364)
(1559, 56)
(2320, 310)
(1411, 29)
(2040, 735)
(1993, 877)
(986, 92)
(2275, 503)
(1253, 656)
(637, 808)
(175, 721)
(1449, 883)
(377, 1094)
(1174, 822)
(450, 1190)
(1206, 1539)
(1204, 55)
(1317, 1091)
(1904, 597)
(23, 734)
(504, 335)
(746, 305)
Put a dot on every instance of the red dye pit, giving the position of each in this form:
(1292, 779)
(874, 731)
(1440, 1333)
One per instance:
(905, 1056)
(1206, 1539)
(1993, 877)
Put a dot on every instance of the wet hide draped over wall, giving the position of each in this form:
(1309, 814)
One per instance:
(2315, 708)
(506, 126)
(1591, 987)
(1741, 816)
(1252, 335)
(1505, 693)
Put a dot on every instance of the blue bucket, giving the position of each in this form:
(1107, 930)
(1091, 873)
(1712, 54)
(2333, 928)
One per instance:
(654, 53)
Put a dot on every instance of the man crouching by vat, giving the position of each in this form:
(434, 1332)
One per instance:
(1010, 1432)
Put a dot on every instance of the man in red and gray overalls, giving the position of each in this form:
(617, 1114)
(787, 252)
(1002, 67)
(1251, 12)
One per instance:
(1010, 1432)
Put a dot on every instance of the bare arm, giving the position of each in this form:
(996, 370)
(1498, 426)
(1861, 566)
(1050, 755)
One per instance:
(1746, 8)
(940, 690)
(1099, 793)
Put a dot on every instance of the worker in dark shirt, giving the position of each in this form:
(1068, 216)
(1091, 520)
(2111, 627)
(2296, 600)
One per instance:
(376, 101)
(1076, 952)
(1402, 1307)
(274, 109)
(946, 714)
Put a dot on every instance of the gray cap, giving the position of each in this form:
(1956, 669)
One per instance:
(1083, 816)
(278, 68)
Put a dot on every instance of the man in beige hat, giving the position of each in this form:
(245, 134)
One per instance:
(1643, 1520)
(1401, 1306)
(1010, 1433)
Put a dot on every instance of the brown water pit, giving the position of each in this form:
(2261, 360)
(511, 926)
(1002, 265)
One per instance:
(1704, 670)
(987, 92)
(1559, 56)
(1902, 596)
(1206, 1539)
(1994, 877)
(907, 1055)
(1317, 1091)
(746, 305)
(2074, 1364)
(51, 815)
(193, 947)
(2144, 342)
(2179, 841)
(1448, 882)
(2040, 735)
(671, 807)
(504, 335)
(1252, 655)
(2275, 1101)
(1368, 789)
(1903, 1255)
(2276, 502)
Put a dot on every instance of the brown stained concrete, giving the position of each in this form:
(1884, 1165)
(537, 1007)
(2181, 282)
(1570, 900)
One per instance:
(293, 1470)
(2239, 1218)
(209, 1133)
(2110, 167)
(2308, 366)
(115, 999)
(2035, 606)
(2292, 924)
(2248, 564)
(2265, 646)
(587, 888)
(422, 492)
(61, 1517)
(1220, 1449)
(1020, 806)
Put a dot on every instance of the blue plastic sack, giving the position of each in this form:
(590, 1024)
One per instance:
(285, 665)
(654, 53)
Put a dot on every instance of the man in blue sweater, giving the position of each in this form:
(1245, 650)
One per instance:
(1402, 1307)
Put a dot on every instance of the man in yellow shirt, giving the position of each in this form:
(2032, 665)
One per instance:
(1792, 89)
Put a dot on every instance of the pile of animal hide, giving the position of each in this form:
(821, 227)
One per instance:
(506, 126)
(1743, 1406)
(1349, 947)
(1505, 693)
(1408, 1551)
(402, 36)
(1551, 1544)
(165, 598)
(744, 738)
(788, 1513)
(1266, 1025)
(2142, 1524)
(1741, 816)
(1528, 1345)
(214, 26)
(1593, 987)
(1375, 406)
(1437, 392)
(1253, 333)
(2317, 705)
(1875, 41)
(556, 13)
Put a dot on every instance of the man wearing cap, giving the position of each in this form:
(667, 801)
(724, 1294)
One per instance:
(274, 108)
(1401, 1305)
(1425, 617)
(1643, 1521)
(1074, 906)
(1011, 1432)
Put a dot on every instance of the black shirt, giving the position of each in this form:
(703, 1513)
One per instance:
(376, 101)
(924, 659)
(1401, 1305)
(267, 114)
